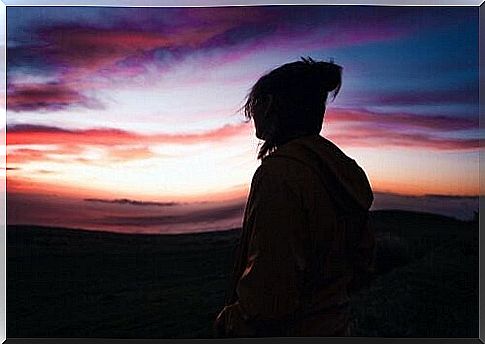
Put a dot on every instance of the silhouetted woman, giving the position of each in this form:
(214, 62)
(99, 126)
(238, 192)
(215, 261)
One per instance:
(306, 243)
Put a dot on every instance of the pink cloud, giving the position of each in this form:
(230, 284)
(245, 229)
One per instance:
(31, 134)
(26, 155)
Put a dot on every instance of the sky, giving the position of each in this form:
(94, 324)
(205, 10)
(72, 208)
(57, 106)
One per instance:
(128, 119)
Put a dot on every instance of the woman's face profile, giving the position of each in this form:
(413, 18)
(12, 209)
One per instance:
(258, 126)
(260, 118)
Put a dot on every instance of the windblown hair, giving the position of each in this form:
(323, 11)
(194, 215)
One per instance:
(290, 101)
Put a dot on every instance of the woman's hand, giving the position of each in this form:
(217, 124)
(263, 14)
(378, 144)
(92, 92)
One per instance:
(219, 326)
(231, 323)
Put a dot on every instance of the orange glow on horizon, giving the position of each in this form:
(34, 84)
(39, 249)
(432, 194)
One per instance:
(417, 190)
(31, 186)
(237, 192)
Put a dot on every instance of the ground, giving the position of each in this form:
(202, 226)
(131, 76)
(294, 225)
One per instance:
(75, 283)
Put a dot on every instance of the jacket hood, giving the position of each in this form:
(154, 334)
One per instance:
(332, 165)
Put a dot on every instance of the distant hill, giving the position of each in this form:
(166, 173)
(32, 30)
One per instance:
(75, 283)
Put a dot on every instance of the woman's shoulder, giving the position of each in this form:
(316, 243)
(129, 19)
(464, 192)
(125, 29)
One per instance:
(285, 171)
(276, 165)
(278, 176)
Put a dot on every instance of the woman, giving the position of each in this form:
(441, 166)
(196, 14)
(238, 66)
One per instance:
(306, 242)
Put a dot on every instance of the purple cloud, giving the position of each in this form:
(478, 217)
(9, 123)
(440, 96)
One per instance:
(400, 121)
(49, 96)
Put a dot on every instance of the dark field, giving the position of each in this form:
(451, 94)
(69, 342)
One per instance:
(71, 283)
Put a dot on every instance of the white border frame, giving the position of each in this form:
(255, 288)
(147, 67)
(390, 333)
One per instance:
(226, 3)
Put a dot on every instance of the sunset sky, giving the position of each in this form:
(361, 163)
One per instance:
(126, 119)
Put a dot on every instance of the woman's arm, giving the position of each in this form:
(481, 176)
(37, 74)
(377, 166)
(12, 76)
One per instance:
(269, 288)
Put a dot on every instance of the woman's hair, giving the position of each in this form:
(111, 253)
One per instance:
(290, 101)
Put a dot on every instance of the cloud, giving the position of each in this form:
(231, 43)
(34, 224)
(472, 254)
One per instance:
(26, 134)
(361, 128)
(75, 54)
(281, 28)
(47, 96)
(81, 50)
(57, 153)
(356, 128)
(378, 138)
(132, 202)
(72, 152)
(165, 37)
(30, 143)
(400, 121)
(25, 156)
(45, 171)
(85, 45)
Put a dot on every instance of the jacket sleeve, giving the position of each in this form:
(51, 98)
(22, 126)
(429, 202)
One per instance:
(268, 289)
(364, 258)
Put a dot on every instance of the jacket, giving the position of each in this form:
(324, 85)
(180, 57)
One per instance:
(306, 244)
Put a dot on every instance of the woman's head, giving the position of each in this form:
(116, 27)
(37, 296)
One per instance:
(289, 101)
